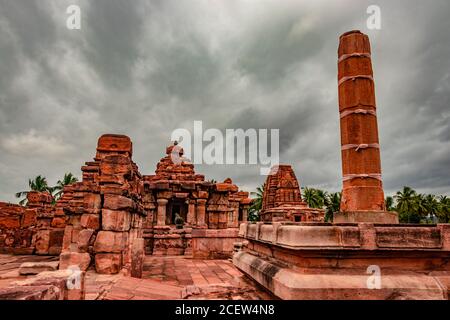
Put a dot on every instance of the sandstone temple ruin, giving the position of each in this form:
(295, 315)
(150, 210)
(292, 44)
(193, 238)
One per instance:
(115, 216)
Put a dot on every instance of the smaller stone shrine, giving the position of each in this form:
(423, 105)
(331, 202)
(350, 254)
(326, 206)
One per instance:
(282, 199)
(188, 215)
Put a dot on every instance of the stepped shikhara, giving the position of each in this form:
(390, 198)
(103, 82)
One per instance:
(282, 199)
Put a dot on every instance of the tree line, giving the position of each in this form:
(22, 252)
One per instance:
(412, 207)
(40, 184)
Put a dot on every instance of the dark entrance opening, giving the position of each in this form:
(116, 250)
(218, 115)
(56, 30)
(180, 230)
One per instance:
(176, 206)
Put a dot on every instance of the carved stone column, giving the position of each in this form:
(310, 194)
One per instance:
(161, 218)
(244, 214)
(191, 213)
(201, 213)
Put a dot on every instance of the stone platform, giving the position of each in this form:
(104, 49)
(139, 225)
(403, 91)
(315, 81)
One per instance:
(164, 278)
(325, 261)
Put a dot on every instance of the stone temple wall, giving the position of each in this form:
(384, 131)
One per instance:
(114, 215)
(105, 212)
(36, 228)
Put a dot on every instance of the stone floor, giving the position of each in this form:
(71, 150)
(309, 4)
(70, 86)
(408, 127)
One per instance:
(9, 267)
(163, 278)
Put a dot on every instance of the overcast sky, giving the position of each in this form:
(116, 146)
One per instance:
(145, 68)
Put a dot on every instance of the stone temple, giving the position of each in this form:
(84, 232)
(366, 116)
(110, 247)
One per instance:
(115, 218)
(282, 199)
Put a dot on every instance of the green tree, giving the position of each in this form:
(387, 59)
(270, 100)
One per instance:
(322, 198)
(431, 207)
(312, 198)
(256, 206)
(407, 205)
(389, 202)
(39, 183)
(68, 179)
(443, 213)
(333, 204)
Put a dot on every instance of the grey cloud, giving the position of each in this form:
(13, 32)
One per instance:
(145, 68)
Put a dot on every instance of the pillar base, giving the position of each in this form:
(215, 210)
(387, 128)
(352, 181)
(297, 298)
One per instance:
(377, 217)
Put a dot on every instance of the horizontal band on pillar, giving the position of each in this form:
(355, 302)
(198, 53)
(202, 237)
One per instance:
(358, 147)
(353, 78)
(349, 177)
(355, 54)
(357, 111)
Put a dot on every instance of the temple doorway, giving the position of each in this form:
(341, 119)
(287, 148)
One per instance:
(176, 206)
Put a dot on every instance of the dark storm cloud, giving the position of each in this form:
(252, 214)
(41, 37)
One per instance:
(144, 68)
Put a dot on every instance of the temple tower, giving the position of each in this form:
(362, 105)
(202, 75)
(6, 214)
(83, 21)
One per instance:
(362, 195)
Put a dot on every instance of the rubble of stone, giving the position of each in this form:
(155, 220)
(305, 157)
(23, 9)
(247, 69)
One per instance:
(37, 228)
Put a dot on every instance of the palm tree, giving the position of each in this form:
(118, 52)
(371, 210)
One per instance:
(444, 209)
(431, 206)
(37, 184)
(322, 197)
(68, 179)
(255, 208)
(407, 205)
(333, 204)
(312, 198)
(389, 202)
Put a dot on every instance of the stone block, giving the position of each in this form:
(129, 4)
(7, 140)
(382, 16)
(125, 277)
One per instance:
(92, 202)
(67, 238)
(111, 242)
(116, 202)
(32, 268)
(378, 217)
(58, 222)
(137, 257)
(84, 239)
(10, 222)
(70, 282)
(108, 263)
(42, 241)
(45, 292)
(70, 259)
(29, 218)
(90, 221)
(114, 220)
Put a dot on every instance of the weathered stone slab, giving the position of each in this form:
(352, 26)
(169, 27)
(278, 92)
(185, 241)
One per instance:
(45, 292)
(30, 268)
(69, 259)
(116, 202)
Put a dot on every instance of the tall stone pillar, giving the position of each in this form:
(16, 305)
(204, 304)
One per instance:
(362, 195)
(201, 213)
(161, 217)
